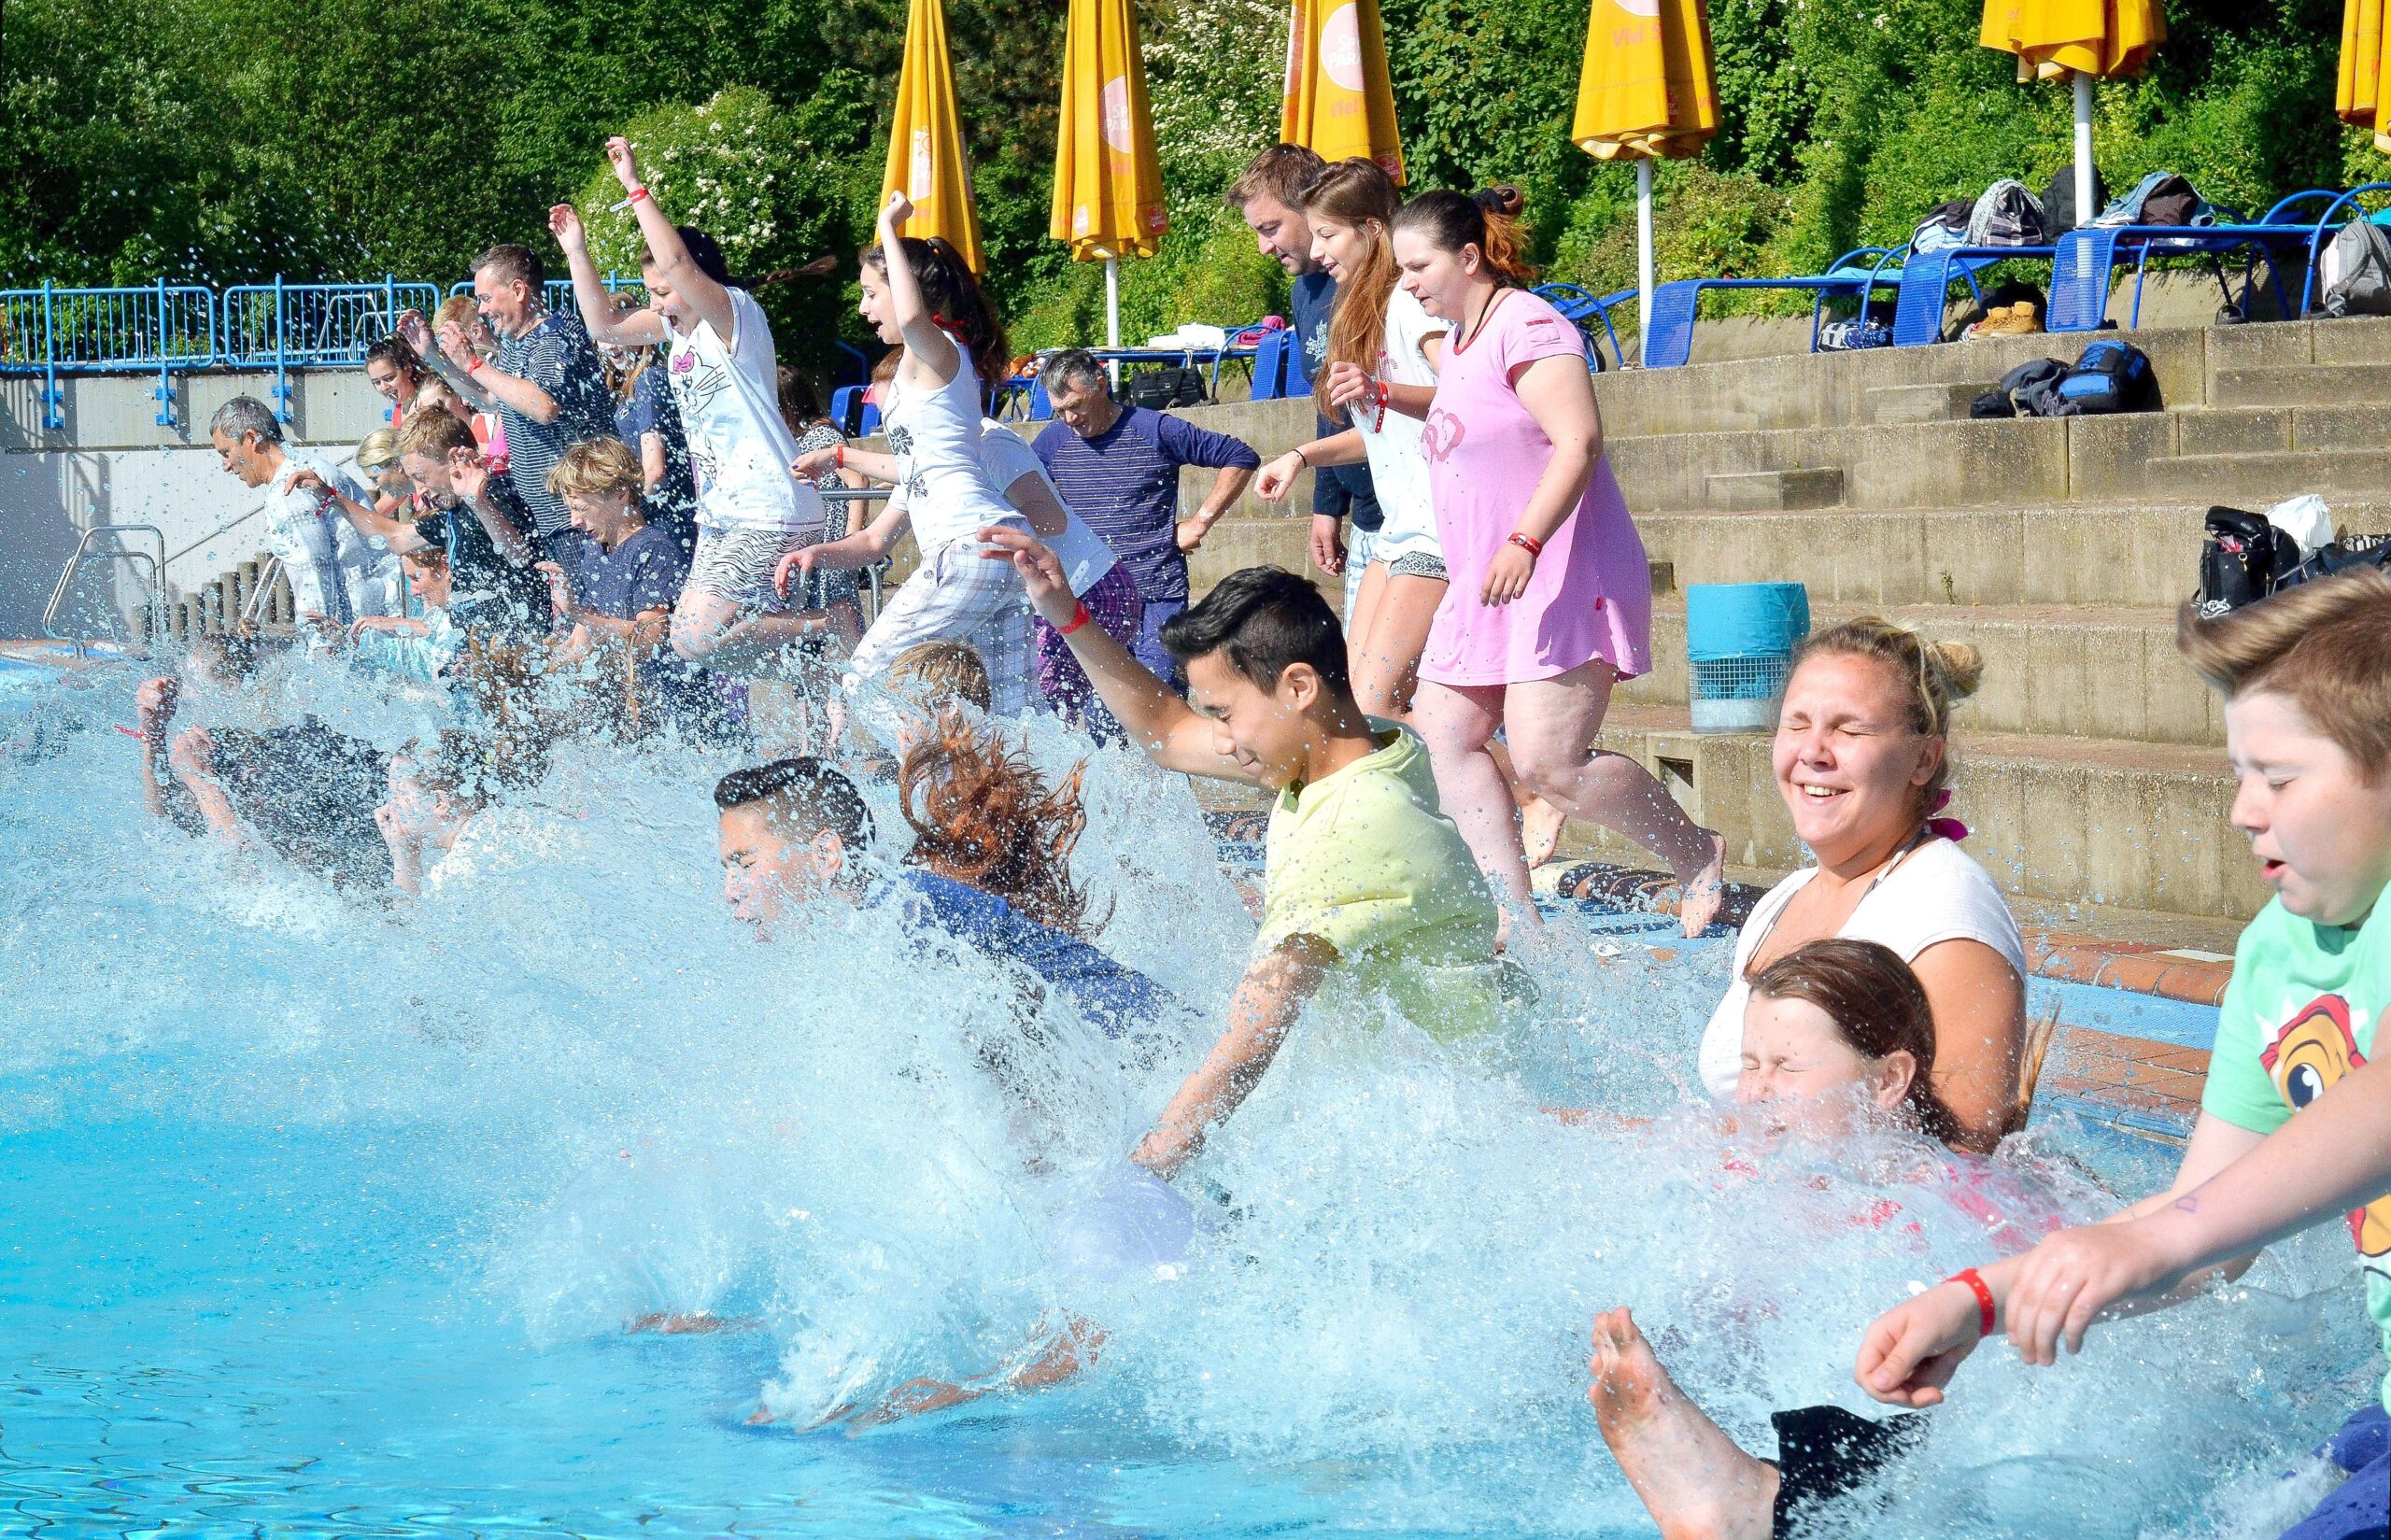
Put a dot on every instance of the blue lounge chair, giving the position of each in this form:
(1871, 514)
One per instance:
(1583, 308)
(1668, 331)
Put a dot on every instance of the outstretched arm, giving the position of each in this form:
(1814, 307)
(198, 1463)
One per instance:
(639, 328)
(470, 475)
(398, 533)
(709, 300)
(1173, 736)
(1268, 999)
(925, 340)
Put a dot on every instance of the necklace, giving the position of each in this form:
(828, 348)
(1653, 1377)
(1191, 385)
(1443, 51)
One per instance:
(1470, 329)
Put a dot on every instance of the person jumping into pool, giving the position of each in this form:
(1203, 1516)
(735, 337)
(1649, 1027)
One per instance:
(1838, 1038)
(438, 797)
(1366, 885)
(2306, 677)
(921, 295)
(989, 868)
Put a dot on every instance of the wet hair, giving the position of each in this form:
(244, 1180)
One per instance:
(434, 432)
(377, 451)
(466, 767)
(1930, 677)
(397, 353)
(598, 465)
(801, 403)
(1878, 1009)
(946, 671)
(245, 414)
(432, 558)
(1282, 171)
(955, 300)
(984, 818)
(1073, 367)
(513, 264)
(1265, 619)
(1356, 192)
(705, 253)
(802, 797)
(2325, 646)
(1487, 220)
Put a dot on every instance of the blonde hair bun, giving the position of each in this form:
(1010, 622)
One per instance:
(1961, 667)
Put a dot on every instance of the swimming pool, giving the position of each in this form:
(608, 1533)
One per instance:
(326, 1221)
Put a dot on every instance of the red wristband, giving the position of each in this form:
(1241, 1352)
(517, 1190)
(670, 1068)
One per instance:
(841, 460)
(476, 364)
(1079, 617)
(1529, 543)
(1976, 1286)
(637, 193)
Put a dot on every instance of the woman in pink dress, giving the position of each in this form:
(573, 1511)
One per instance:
(1550, 601)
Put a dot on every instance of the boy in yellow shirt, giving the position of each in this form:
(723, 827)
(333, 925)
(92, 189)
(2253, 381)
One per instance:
(1368, 892)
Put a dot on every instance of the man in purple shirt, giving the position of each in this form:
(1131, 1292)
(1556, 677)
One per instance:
(1118, 469)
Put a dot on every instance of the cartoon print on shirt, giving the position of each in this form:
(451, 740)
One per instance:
(2308, 1058)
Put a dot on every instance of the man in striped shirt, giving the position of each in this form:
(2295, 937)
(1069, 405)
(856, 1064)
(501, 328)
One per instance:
(1118, 469)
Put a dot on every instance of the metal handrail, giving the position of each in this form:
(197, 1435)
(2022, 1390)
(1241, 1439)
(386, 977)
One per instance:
(154, 576)
(874, 572)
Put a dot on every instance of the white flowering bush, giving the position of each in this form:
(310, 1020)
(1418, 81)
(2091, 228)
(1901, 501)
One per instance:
(734, 166)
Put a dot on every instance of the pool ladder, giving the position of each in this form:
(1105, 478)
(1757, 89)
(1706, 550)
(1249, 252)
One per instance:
(107, 543)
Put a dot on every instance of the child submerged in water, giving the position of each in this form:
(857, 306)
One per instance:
(1838, 1042)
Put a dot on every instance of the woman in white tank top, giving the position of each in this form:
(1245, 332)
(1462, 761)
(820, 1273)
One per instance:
(1860, 756)
(921, 296)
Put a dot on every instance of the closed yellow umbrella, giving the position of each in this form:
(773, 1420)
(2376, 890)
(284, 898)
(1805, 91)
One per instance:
(2087, 40)
(1108, 180)
(1648, 90)
(2356, 98)
(925, 139)
(1339, 100)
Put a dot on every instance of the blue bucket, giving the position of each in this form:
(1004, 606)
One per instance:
(1739, 641)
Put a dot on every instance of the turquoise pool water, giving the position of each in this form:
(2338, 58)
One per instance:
(320, 1220)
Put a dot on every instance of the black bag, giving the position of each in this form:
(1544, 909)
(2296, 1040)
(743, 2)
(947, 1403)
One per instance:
(2108, 376)
(2240, 555)
(2058, 201)
(2338, 556)
(2027, 391)
(2172, 201)
(1160, 389)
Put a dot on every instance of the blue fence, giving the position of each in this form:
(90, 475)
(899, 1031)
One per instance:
(170, 328)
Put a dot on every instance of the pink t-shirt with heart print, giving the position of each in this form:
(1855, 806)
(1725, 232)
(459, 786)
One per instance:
(1592, 594)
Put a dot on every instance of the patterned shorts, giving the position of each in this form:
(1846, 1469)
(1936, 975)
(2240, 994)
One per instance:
(956, 595)
(737, 564)
(1418, 564)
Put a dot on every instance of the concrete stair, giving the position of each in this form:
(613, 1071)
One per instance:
(2090, 761)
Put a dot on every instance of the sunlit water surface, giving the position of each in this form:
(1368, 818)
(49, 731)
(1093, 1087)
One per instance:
(324, 1218)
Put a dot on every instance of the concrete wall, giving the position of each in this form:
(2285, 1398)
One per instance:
(113, 463)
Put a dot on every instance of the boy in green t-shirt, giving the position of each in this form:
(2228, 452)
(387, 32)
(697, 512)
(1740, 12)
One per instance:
(1367, 892)
(2307, 680)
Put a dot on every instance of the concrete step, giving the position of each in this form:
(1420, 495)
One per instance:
(2303, 384)
(2070, 670)
(1883, 404)
(2259, 480)
(2058, 821)
(1815, 487)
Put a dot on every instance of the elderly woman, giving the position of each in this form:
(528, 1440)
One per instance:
(1862, 757)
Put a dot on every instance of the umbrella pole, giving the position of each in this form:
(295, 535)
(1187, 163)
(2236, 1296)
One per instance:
(1643, 249)
(1112, 301)
(2084, 209)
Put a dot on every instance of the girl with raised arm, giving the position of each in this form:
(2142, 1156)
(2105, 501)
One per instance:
(920, 296)
(1551, 602)
(725, 381)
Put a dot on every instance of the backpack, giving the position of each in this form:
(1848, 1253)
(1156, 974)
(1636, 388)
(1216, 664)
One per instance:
(1850, 336)
(2356, 270)
(2108, 376)
(1944, 228)
(2058, 201)
(2241, 553)
(2027, 391)
(2006, 215)
(1161, 388)
(2161, 198)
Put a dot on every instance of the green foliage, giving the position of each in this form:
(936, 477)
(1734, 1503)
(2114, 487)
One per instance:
(231, 139)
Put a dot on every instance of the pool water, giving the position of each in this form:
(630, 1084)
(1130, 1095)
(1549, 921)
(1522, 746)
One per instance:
(321, 1218)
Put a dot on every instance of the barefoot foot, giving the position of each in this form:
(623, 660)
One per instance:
(1540, 830)
(1697, 1483)
(1705, 887)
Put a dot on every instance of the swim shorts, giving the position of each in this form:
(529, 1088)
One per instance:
(1825, 1453)
(2360, 1508)
(1418, 564)
(737, 564)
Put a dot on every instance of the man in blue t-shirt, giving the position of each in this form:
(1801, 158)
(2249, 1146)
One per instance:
(1271, 197)
(795, 830)
(1118, 469)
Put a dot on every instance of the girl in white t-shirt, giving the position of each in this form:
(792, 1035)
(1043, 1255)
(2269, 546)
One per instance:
(920, 296)
(1860, 756)
(725, 380)
(1383, 352)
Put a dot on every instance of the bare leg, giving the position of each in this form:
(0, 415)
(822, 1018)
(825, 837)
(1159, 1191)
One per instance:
(1359, 618)
(1540, 821)
(1386, 657)
(1456, 723)
(1552, 726)
(1697, 1483)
